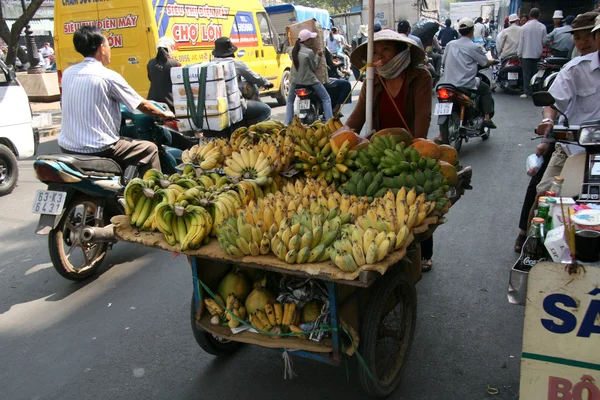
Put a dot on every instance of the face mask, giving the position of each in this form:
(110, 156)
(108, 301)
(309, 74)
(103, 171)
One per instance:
(395, 66)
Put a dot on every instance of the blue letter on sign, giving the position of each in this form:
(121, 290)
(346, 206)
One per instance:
(587, 326)
(569, 320)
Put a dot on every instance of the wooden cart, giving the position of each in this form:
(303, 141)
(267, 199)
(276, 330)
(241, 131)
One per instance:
(370, 315)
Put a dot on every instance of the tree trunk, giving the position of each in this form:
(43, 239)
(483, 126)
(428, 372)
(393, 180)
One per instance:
(12, 36)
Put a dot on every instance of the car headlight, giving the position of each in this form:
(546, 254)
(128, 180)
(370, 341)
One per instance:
(589, 135)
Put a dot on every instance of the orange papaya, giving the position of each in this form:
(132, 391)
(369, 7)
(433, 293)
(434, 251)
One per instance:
(400, 134)
(449, 172)
(426, 148)
(448, 154)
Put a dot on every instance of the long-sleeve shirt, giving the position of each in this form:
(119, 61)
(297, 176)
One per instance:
(508, 40)
(307, 65)
(460, 62)
(91, 95)
(532, 39)
(562, 39)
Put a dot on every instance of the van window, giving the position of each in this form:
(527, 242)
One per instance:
(265, 29)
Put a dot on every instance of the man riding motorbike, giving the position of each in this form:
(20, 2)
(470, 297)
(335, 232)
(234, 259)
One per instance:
(255, 111)
(461, 60)
(508, 42)
(91, 98)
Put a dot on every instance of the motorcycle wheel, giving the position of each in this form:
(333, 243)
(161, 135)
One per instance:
(284, 88)
(450, 132)
(80, 260)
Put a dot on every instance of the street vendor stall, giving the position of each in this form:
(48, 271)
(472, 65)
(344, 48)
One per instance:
(288, 233)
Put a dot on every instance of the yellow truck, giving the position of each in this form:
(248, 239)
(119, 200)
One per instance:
(133, 28)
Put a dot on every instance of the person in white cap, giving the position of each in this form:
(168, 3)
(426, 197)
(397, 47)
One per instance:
(531, 46)
(304, 66)
(557, 18)
(461, 60)
(159, 72)
(508, 42)
(561, 39)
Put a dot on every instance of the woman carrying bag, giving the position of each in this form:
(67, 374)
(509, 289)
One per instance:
(304, 65)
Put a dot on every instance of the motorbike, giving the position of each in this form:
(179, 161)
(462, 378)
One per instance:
(460, 114)
(510, 75)
(584, 167)
(547, 67)
(309, 105)
(85, 192)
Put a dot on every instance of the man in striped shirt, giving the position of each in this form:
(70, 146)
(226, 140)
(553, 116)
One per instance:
(91, 97)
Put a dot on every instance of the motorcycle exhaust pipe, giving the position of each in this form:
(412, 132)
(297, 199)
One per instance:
(99, 234)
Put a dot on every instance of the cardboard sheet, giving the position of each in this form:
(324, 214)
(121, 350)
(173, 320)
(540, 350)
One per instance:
(127, 233)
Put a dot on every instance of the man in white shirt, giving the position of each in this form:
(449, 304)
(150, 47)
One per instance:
(576, 91)
(561, 39)
(531, 45)
(91, 98)
(508, 41)
(461, 60)
(479, 32)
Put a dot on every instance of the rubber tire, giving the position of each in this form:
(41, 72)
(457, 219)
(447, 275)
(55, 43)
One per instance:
(281, 97)
(445, 133)
(55, 240)
(12, 170)
(207, 342)
(369, 331)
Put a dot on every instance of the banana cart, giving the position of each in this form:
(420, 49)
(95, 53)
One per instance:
(373, 311)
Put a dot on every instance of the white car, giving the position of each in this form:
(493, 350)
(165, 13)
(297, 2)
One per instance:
(18, 139)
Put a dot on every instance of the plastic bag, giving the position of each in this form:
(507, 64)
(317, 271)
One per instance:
(533, 164)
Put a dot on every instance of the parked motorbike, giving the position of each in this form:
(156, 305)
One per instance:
(547, 67)
(510, 75)
(85, 192)
(460, 114)
(310, 107)
(586, 135)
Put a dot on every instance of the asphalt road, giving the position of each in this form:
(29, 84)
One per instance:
(126, 334)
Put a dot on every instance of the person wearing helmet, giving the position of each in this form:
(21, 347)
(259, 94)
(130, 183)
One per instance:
(159, 72)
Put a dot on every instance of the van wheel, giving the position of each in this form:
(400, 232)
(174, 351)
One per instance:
(284, 88)
(9, 170)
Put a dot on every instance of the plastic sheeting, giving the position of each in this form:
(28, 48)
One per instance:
(302, 13)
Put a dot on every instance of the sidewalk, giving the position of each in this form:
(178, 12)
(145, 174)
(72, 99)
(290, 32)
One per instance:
(47, 117)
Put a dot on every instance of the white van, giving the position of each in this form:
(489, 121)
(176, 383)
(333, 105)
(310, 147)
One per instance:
(17, 136)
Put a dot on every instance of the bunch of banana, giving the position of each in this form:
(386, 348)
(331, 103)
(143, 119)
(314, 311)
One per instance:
(249, 164)
(333, 125)
(189, 226)
(234, 307)
(306, 237)
(370, 157)
(263, 131)
(366, 183)
(358, 247)
(277, 318)
(206, 156)
(319, 158)
(238, 238)
(408, 208)
(215, 308)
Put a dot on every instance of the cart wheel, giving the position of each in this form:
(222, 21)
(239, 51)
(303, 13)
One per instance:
(209, 343)
(387, 332)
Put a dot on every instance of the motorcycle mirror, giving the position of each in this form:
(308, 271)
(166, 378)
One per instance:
(542, 99)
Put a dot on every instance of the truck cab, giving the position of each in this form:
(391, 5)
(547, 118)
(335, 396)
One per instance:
(18, 139)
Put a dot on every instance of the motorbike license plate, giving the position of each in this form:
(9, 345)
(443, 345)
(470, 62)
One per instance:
(513, 76)
(304, 104)
(48, 202)
(443, 109)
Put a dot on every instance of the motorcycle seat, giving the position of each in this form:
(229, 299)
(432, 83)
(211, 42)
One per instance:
(87, 165)
(560, 61)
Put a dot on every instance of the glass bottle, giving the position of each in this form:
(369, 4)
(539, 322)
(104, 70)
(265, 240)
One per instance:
(544, 212)
(534, 250)
(556, 186)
